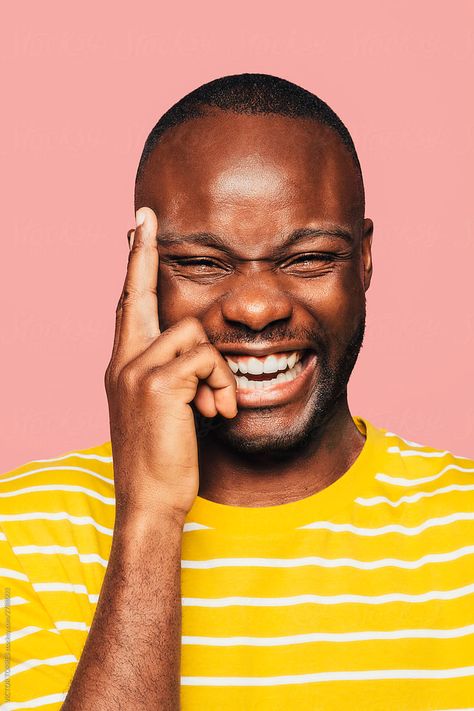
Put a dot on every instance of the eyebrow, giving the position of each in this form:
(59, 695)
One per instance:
(209, 239)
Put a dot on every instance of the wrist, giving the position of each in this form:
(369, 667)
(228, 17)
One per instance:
(140, 522)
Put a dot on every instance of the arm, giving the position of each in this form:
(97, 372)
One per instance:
(131, 658)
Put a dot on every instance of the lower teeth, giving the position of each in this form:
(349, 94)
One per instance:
(244, 383)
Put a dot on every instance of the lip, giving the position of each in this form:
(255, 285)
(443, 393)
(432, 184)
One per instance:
(259, 352)
(280, 393)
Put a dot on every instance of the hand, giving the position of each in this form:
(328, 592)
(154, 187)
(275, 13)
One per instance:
(150, 381)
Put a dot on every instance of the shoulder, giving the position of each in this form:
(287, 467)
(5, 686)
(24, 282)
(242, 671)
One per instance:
(412, 472)
(56, 527)
(73, 487)
(79, 466)
(417, 456)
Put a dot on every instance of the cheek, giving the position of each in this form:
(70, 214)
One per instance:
(335, 301)
(171, 304)
(178, 298)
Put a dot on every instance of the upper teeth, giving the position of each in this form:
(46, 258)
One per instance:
(257, 366)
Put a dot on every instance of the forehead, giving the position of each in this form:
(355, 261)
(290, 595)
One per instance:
(240, 173)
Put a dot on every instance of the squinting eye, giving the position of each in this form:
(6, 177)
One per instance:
(193, 262)
(313, 258)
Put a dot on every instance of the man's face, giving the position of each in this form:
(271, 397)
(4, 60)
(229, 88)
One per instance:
(251, 181)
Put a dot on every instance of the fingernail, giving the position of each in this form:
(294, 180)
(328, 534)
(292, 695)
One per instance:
(140, 216)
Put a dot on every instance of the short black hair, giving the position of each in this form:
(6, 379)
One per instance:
(249, 94)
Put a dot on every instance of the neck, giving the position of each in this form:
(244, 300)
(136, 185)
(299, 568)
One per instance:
(236, 480)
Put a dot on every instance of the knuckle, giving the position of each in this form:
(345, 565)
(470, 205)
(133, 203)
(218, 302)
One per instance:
(132, 294)
(129, 296)
(194, 324)
(206, 348)
(118, 308)
(109, 376)
(156, 383)
(128, 379)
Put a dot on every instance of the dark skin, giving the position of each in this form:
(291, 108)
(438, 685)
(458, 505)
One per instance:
(252, 180)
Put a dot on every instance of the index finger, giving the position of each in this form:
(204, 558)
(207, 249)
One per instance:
(139, 301)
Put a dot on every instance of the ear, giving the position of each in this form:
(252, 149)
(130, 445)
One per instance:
(366, 251)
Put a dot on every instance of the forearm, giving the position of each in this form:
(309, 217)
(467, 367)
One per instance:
(131, 658)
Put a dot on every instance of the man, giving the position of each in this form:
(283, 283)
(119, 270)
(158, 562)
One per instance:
(253, 545)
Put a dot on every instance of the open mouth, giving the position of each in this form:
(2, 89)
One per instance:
(275, 380)
(284, 369)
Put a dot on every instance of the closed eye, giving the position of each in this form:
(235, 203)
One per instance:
(199, 261)
(314, 256)
(301, 265)
(306, 262)
(303, 258)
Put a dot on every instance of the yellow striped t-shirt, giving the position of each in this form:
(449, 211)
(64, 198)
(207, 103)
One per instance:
(360, 596)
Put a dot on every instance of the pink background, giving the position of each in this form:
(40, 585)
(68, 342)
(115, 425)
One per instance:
(87, 83)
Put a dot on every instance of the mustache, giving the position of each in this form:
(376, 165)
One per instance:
(242, 335)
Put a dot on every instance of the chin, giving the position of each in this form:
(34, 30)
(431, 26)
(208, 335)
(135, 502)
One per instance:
(268, 435)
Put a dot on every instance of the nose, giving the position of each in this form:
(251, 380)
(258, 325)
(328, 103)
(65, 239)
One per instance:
(256, 303)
